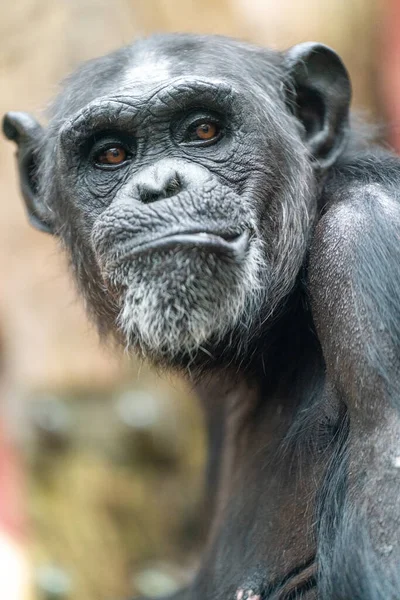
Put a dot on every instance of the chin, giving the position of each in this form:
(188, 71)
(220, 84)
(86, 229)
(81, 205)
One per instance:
(174, 306)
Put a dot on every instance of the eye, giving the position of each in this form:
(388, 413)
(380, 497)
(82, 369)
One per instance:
(203, 132)
(206, 131)
(113, 156)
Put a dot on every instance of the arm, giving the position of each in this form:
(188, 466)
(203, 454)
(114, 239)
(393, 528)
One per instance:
(354, 283)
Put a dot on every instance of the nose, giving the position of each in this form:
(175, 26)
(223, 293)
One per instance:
(158, 182)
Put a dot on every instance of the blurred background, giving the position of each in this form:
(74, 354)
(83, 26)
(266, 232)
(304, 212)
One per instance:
(100, 459)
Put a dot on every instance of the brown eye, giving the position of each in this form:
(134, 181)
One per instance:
(112, 156)
(206, 131)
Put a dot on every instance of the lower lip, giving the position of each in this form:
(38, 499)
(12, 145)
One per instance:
(235, 247)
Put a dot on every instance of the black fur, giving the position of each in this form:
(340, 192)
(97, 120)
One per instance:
(294, 343)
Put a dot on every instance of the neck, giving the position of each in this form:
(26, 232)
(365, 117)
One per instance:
(254, 420)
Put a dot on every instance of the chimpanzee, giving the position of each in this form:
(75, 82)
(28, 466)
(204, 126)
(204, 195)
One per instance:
(225, 217)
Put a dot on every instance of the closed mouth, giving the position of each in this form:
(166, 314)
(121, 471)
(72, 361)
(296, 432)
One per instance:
(234, 245)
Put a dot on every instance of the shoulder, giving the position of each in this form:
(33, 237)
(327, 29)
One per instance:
(354, 263)
(360, 205)
(357, 234)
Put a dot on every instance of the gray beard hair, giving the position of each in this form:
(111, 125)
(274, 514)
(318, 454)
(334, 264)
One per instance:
(174, 302)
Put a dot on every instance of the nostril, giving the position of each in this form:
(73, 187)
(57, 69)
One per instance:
(151, 192)
(173, 187)
(148, 196)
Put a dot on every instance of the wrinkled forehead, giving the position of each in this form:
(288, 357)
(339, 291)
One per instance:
(152, 67)
(151, 72)
(167, 70)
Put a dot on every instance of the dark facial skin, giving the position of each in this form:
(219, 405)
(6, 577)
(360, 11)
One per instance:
(170, 184)
(222, 219)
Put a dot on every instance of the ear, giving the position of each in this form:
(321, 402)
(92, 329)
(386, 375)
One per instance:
(319, 93)
(27, 133)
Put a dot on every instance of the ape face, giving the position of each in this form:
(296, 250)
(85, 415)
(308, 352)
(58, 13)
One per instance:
(167, 200)
(183, 191)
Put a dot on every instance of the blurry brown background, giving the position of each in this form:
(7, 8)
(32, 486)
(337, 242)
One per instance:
(112, 454)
